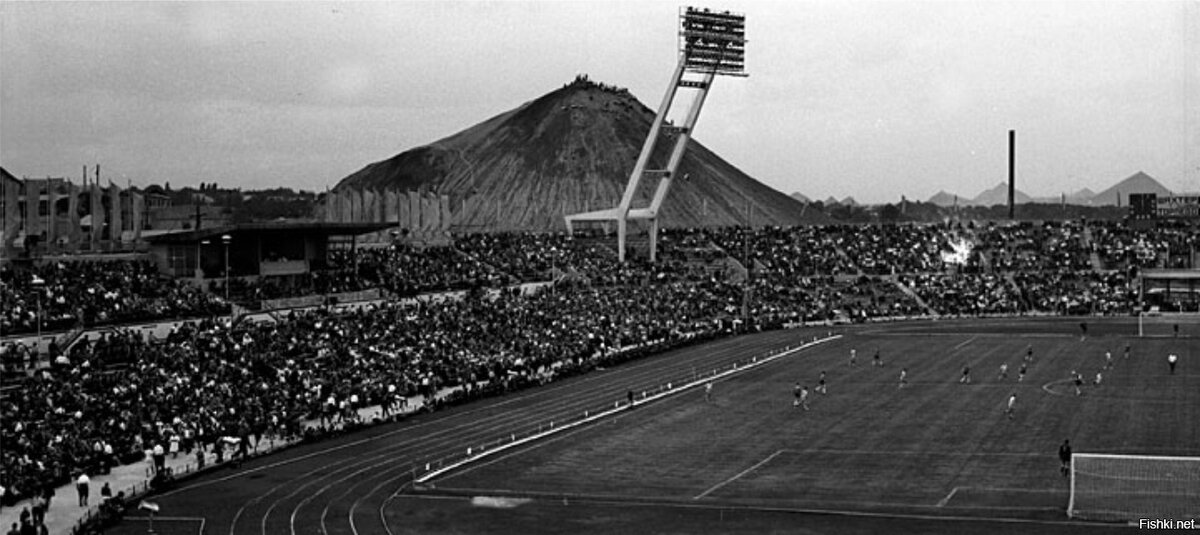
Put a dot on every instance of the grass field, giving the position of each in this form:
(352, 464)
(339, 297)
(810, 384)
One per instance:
(940, 454)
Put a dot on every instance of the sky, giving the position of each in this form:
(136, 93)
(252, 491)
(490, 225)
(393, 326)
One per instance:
(873, 100)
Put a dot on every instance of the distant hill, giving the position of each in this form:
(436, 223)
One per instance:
(1083, 196)
(849, 201)
(1137, 183)
(999, 195)
(569, 151)
(943, 199)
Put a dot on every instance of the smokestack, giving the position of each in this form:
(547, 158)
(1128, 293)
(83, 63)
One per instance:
(1012, 172)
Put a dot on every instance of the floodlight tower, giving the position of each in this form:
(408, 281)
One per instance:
(710, 43)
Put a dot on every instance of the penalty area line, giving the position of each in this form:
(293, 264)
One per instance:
(736, 477)
(946, 500)
(969, 340)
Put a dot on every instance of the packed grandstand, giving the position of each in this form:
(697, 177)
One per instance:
(105, 400)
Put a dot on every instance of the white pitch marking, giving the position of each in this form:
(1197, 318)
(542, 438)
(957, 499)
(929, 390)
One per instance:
(969, 340)
(199, 519)
(739, 474)
(935, 453)
(946, 500)
(828, 511)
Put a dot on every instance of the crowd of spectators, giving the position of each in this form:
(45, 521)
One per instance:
(1026, 246)
(96, 293)
(967, 294)
(109, 399)
(1121, 247)
(527, 256)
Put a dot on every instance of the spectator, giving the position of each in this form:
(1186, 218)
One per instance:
(81, 486)
(159, 455)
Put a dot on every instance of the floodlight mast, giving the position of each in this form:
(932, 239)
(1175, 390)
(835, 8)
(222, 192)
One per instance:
(711, 43)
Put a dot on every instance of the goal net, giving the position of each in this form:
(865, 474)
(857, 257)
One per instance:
(1129, 488)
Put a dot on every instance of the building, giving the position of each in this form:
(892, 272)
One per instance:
(55, 215)
(1147, 206)
(275, 249)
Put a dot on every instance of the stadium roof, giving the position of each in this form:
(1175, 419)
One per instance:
(307, 227)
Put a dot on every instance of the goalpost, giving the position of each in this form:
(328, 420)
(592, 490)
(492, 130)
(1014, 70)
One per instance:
(1130, 488)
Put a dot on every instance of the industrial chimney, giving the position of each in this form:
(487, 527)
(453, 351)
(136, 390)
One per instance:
(1012, 173)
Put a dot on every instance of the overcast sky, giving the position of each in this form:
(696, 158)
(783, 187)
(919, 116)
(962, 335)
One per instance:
(869, 99)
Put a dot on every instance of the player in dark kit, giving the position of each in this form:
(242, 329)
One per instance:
(966, 376)
(821, 384)
(1064, 457)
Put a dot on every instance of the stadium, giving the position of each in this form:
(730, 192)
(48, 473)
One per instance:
(450, 342)
(546, 437)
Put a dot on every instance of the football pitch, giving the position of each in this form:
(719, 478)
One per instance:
(935, 454)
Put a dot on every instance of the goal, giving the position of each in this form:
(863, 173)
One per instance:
(1127, 488)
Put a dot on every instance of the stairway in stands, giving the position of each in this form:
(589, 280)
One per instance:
(1094, 256)
(913, 294)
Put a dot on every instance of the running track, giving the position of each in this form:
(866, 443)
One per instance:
(342, 486)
